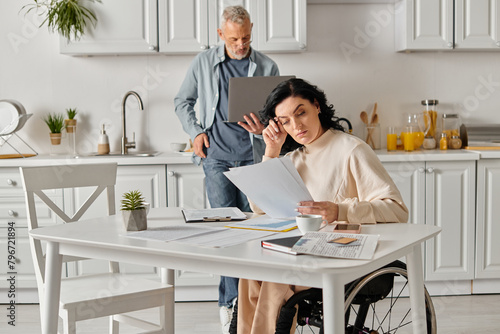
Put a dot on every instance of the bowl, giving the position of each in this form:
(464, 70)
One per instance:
(177, 147)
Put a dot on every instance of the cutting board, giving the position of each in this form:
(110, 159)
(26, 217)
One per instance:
(15, 156)
(482, 147)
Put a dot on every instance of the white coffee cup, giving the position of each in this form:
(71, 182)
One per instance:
(309, 223)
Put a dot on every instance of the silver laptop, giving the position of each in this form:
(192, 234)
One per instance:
(249, 94)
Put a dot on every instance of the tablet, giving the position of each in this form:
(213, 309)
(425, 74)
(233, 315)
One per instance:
(249, 94)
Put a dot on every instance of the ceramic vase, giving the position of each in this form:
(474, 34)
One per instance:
(135, 220)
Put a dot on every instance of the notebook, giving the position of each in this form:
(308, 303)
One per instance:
(249, 94)
(281, 244)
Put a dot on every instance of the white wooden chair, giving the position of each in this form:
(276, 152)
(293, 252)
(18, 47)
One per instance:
(98, 295)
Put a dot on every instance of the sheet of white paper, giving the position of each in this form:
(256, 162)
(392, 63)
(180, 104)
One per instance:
(169, 233)
(224, 238)
(265, 223)
(198, 215)
(271, 186)
(316, 243)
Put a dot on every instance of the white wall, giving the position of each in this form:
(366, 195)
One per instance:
(33, 72)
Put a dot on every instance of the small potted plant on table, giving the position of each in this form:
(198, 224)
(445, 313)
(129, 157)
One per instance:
(55, 122)
(134, 211)
(70, 122)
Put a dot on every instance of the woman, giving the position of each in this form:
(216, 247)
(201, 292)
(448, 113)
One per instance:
(342, 173)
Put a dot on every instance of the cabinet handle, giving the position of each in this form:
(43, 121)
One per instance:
(204, 47)
(450, 45)
(302, 46)
(171, 173)
(11, 182)
(430, 170)
(12, 213)
(498, 43)
(421, 170)
(152, 48)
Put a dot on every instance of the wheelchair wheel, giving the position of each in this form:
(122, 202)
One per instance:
(368, 311)
(374, 304)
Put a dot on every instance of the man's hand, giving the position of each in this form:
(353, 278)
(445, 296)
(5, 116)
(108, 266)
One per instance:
(199, 145)
(252, 125)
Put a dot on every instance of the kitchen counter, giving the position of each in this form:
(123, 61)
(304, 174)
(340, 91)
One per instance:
(174, 158)
(165, 158)
(427, 155)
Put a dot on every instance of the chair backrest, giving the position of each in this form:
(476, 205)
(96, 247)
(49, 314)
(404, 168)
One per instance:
(36, 180)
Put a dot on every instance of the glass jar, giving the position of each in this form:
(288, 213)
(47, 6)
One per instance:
(372, 135)
(430, 117)
(451, 125)
(455, 142)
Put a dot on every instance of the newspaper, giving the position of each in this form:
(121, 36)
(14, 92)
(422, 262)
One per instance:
(319, 243)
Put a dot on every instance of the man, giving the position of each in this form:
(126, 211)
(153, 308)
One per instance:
(219, 144)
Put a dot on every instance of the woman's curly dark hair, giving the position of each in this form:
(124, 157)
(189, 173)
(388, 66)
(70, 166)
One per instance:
(301, 88)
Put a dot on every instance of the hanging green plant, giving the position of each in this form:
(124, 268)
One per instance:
(68, 17)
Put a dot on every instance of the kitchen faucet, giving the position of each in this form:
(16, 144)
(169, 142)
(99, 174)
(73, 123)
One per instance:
(125, 144)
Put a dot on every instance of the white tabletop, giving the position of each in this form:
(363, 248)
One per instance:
(246, 260)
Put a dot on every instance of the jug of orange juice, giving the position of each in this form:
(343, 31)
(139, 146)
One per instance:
(414, 132)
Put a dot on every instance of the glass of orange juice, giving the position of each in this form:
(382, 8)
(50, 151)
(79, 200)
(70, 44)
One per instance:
(408, 138)
(392, 138)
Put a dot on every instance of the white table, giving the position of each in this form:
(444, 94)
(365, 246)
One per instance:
(104, 238)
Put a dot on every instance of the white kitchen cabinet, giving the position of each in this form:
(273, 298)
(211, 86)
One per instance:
(281, 25)
(447, 25)
(487, 219)
(477, 24)
(13, 210)
(441, 193)
(186, 189)
(186, 26)
(123, 27)
(186, 186)
(191, 26)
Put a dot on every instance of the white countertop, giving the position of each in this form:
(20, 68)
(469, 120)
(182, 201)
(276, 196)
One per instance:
(427, 155)
(165, 158)
(168, 158)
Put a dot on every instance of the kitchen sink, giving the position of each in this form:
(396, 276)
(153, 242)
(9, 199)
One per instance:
(130, 154)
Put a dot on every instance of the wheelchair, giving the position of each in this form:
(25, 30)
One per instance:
(374, 304)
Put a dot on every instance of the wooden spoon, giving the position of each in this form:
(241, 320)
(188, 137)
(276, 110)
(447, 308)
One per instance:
(374, 113)
(364, 117)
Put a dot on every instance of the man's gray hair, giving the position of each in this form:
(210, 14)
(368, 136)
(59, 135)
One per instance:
(236, 14)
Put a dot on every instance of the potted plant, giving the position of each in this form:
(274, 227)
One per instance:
(134, 211)
(68, 17)
(70, 122)
(55, 122)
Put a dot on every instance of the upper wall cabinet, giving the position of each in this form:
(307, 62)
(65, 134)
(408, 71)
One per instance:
(123, 27)
(187, 26)
(447, 25)
(281, 25)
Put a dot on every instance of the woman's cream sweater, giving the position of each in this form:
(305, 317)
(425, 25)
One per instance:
(343, 169)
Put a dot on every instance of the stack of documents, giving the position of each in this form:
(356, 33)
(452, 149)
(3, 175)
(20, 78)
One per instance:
(274, 186)
(212, 215)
